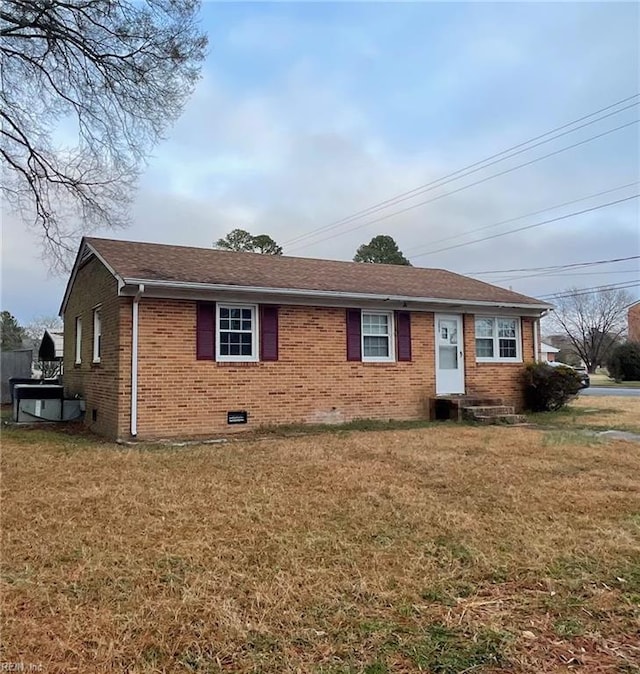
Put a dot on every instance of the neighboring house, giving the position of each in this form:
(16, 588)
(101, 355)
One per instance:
(548, 352)
(51, 346)
(633, 319)
(168, 341)
(51, 353)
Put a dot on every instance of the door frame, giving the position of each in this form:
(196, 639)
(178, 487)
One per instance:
(460, 321)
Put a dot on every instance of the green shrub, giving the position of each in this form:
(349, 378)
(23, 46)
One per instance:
(624, 362)
(549, 388)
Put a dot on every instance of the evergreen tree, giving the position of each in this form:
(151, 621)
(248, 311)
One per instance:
(12, 333)
(242, 241)
(382, 249)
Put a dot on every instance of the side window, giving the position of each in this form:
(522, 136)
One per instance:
(97, 334)
(507, 338)
(237, 333)
(484, 337)
(78, 354)
(377, 337)
(497, 339)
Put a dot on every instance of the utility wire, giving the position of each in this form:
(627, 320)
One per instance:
(466, 170)
(534, 225)
(585, 291)
(422, 188)
(555, 266)
(519, 217)
(634, 284)
(567, 272)
(589, 292)
(578, 273)
(552, 272)
(473, 184)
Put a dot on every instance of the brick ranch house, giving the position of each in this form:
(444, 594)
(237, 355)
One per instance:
(166, 341)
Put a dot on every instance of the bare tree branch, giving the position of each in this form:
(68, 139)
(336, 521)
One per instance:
(593, 322)
(88, 87)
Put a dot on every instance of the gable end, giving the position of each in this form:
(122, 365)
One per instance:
(86, 252)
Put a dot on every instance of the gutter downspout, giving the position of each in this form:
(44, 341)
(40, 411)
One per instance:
(536, 343)
(134, 360)
(536, 335)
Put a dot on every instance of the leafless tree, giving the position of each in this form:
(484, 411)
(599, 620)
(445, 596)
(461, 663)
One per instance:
(592, 321)
(88, 88)
(34, 332)
(35, 329)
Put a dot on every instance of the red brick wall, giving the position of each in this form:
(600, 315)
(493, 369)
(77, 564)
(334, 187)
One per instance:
(502, 380)
(97, 383)
(634, 323)
(312, 382)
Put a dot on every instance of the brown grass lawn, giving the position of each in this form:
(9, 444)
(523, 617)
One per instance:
(610, 412)
(445, 549)
(596, 413)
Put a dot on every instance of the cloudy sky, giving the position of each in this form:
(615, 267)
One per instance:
(310, 112)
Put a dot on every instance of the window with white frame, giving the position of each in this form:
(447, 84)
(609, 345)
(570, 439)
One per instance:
(237, 332)
(97, 334)
(377, 336)
(78, 358)
(497, 338)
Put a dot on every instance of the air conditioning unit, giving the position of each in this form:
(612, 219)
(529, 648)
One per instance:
(37, 402)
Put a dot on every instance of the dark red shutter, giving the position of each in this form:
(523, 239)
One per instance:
(354, 328)
(268, 332)
(403, 335)
(206, 331)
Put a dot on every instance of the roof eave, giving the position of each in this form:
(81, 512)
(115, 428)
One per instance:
(326, 294)
(84, 244)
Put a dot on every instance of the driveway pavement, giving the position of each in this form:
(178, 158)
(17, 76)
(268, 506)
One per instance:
(610, 391)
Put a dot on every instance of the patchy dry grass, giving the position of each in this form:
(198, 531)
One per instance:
(444, 549)
(595, 412)
(602, 379)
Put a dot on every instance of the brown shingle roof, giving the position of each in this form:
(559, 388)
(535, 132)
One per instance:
(158, 262)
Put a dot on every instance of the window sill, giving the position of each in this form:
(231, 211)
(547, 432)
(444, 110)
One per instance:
(96, 364)
(379, 363)
(77, 366)
(499, 361)
(237, 363)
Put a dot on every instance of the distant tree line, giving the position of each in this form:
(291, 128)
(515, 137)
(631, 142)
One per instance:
(382, 249)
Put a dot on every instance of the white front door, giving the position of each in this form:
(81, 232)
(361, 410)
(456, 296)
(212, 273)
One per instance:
(449, 354)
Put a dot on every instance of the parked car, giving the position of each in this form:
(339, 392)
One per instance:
(582, 372)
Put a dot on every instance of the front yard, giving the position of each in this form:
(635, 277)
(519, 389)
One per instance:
(595, 414)
(443, 549)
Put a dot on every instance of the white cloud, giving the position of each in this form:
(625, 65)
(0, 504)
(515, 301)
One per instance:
(342, 122)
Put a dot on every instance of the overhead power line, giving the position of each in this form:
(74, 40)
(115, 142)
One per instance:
(465, 187)
(460, 173)
(556, 272)
(555, 266)
(586, 291)
(566, 272)
(526, 227)
(519, 217)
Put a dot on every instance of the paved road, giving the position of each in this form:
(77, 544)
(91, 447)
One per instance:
(610, 391)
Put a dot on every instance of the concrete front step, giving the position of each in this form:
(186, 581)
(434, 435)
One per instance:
(472, 411)
(478, 401)
(481, 409)
(507, 419)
